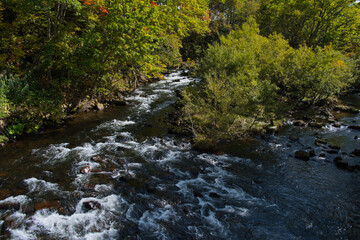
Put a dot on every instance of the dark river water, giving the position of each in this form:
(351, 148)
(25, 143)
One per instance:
(119, 174)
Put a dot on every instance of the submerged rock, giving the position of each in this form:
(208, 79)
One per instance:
(315, 124)
(355, 127)
(347, 164)
(294, 138)
(356, 152)
(334, 147)
(302, 155)
(332, 151)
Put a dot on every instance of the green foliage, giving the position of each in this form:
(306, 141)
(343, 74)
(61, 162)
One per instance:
(26, 106)
(249, 80)
(311, 22)
(316, 75)
(55, 53)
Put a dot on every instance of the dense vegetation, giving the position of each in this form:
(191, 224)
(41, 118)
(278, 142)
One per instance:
(250, 80)
(257, 58)
(56, 53)
(288, 54)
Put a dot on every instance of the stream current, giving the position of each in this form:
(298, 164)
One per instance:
(119, 174)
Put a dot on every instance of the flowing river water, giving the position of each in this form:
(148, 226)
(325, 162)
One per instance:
(119, 174)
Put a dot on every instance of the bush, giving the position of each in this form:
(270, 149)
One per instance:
(25, 107)
(250, 80)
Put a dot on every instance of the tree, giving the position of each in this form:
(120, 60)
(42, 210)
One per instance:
(310, 22)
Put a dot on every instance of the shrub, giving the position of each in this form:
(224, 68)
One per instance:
(249, 80)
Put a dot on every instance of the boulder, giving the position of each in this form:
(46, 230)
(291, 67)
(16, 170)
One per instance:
(117, 102)
(356, 152)
(337, 125)
(99, 106)
(334, 147)
(302, 155)
(315, 124)
(90, 205)
(299, 123)
(312, 153)
(347, 164)
(294, 138)
(332, 151)
(271, 129)
(354, 127)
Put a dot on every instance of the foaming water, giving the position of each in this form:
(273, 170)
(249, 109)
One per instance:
(125, 177)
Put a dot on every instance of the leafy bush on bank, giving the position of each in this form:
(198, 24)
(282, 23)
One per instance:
(250, 80)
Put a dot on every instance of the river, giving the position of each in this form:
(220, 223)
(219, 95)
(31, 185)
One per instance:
(119, 174)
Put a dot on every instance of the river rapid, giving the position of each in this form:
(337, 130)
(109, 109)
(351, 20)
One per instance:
(119, 174)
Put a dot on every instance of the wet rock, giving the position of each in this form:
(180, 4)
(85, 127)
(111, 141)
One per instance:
(28, 208)
(97, 158)
(334, 147)
(315, 125)
(85, 170)
(3, 174)
(294, 138)
(4, 193)
(118, 102)
(10, 205)
(47, 205)
(332, 151)
(346, 164)
(356, 137)
(271, 129)
(99, 106)
(214, 195)
(197, 194)
(85, 106)
(90, 205)
(322, 155)
(188, 209)
(150, 187)
(348, 109)
(302, 155)
(312, 153)
(337, 125)
(356, 152)
(354, 127)
(320, 141)
(299, 123)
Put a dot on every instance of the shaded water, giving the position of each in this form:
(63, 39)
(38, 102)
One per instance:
(118, 174)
